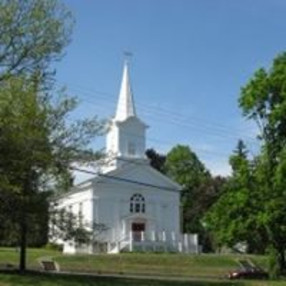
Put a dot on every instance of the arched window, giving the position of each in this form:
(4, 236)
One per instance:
(137, 204)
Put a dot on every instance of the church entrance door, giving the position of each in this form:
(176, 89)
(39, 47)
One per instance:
(137, 229)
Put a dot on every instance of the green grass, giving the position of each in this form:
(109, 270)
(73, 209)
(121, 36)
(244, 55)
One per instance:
(203, 268)
(132, 263)
(53, 280)
(152, 264)
(206, 265)
(72, 280)
(11, 256)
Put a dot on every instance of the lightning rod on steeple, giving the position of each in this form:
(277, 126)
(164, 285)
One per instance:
(127, 56)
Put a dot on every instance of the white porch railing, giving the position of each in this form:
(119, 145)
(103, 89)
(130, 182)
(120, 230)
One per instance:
(155, 241)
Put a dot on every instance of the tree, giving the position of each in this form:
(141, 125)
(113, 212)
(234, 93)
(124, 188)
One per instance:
(183, 166)
(32, 35)
(203, 198)
(252, 207)
(263, 99)
(37, 147)
(200, 190)
(156, 160)
(232, 219)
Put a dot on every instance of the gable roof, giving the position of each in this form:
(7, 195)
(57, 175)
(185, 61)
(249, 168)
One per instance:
(133, 173)
(139, 173)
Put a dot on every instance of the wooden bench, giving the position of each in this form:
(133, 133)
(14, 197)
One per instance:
(49, 265)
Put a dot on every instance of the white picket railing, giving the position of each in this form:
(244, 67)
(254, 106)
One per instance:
(155, 241)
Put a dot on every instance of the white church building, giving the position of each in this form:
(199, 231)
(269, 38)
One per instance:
(139, 206)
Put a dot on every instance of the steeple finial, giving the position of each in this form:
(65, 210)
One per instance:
(127, 56)
(125, 106)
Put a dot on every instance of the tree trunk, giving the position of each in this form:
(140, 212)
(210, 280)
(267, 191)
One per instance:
(23, 242)
(23, 226)
(282, 262)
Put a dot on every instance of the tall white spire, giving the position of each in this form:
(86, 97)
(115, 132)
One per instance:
(126, 135)
(125, 105)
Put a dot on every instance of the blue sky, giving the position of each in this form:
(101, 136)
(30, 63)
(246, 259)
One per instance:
(191, 57)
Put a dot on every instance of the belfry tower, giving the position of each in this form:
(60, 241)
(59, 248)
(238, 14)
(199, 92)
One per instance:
(126, 136)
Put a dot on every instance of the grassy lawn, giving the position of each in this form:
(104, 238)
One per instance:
(70, 280)
(134, 263)
(150, 264)
(11, 256)
(48, 280)
(207, 268)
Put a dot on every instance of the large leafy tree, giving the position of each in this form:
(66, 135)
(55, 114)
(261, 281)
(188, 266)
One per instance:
(263, 99)
(37, 148)
(232, 219)
(37, 143)
(255, 196)
(183, 166)
(200, 189)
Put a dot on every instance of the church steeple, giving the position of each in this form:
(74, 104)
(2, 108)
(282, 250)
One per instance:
(126, 135)
(125, 105)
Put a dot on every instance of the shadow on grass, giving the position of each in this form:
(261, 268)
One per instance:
(76, 280)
